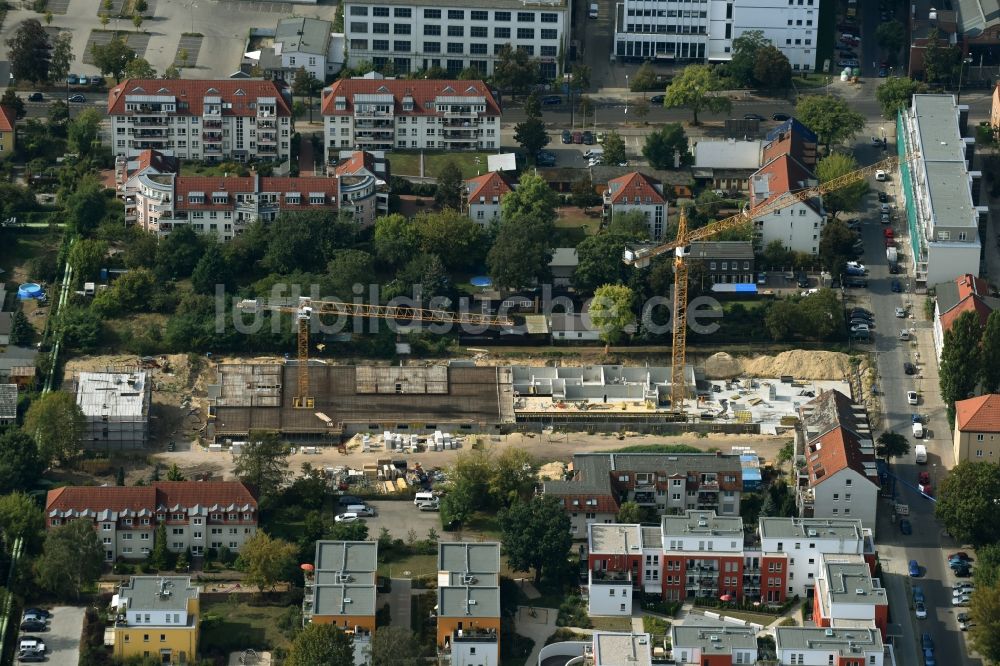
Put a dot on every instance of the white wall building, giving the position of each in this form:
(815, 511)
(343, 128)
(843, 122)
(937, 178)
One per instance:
(307, 42)
(703, 30)
(797, 227)
(372, 113)
(807, 540)
(484, 194)
(638, 192)
(237, 119)
(409, 36)
(818, 646)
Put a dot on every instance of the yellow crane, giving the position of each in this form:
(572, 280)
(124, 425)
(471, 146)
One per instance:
(306, 307)
(680, 246)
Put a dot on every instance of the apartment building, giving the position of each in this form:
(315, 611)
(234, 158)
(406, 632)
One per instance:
(115, 407)
(601, 482)
(792, 138)
(940, 193)
(212, 121)
(819, 646)
(340, 590)
(197, 515)
(409, 35)
(157, 617)
(637, 192)
(797, 227)
(805, 541)
(839, 479)
(846, 593)
(703, 642)
(615, 567)
(966, 293)
(468, 595)
(483, 196)
(724, 262)
(977, 429)
(704, 30)
(374, 113)
(611, 648)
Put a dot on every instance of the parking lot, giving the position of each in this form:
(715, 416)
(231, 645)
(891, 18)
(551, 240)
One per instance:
(62, 640)
(399, 517)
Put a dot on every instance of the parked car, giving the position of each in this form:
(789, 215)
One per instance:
(96, 80)
(918, 594)
(753, 116)
(926, 641)
(901, 313)
(657, 99)
(912, 398)
(881, 175)
(914, 569)
(36, 97)
(31, 656)
(854, 264)
(577, 137)
(905, 527)
(429, 506)
(964, 586)
(780, 117)
(40, 612)
(964, 622)
(544, 158)
(348, 500)
(551, 100)
(33, 624)
(961, 555)
(921, 611)
(77, 99)
(909, 368)
(31, 643)
(883, 197)
(863, 311)
(962, 599)
(567, 136)
(860, 328)
(802, 280)
(896, 287)
(588, 138)
(349, 517)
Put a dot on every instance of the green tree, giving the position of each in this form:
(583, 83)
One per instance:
(521, 252)
(891, 36)
(849, 197)
(580, 77)
(452, 236)
(112, 58)
(141, 6)
(891, 445)
(71, 559)
(644, 78)
(212, 269)
(139, 68)
(695, 89)
(830, 117)
(174, 72)
(941, 60)
(632, 224)
(513, 475)
(966, 505)
(178, 254)
(131, 292)
(533, 198)
(396, 239)
(20, 516)
(530, 134)
(83, 132)
(536, 535)
(20, 465)
(81, 328)
(836, 246)
(21, 331)
(137, 21)
(321, 644)
(347, 268)
(395, 646)
(514, 70)
(990, 365)
(961, 359)
(744, 55)
(28, 52)
(159, 557)
(776, 255)
(771, 68)
(987, 571)
(306, 85)
(614, 148)
(600, 261)
(629, 513)
(611, 311)
(664, 144)
(86, 257)
(583, 194)
(450, 187)
(896, 93)
(985, 632)
(57, 424)
(267, 560)
(262, 464)
(174, 473)
(62, 58)
(11, 100)
(87, 206)
(458, 505)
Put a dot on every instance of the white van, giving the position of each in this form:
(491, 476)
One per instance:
(596, 151)
(423, 497)
(360, 509)
(918, 432)
(920, 451)
(593, 10)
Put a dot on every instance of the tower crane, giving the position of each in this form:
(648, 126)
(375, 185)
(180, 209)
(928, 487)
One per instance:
(306, 307)
(680, 246)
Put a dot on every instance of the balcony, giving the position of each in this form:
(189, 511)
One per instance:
(372, 114)
(212, 123)
(708, 487)
(151, 133)
(268, 123)
(148, 109)
(267, 149)
(146, 122)
(211, 137)
(374, 124)
(466, 113)
(212, 150)
(377, 134)
(474, 635)
(609, 577)
(265, 139)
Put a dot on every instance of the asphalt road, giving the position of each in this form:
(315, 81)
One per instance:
(928, 544)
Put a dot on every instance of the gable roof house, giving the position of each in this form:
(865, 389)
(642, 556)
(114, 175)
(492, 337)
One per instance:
(636, 191)
(977, 429)
(966, 293)
(798, 226)
(839, 479)
(484, 194)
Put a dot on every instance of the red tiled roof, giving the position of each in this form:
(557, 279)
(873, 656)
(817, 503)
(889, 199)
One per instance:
(8, 119)
(185, 185)
(240, 93)
(979, 414)
(793, 143)
(782, 174)
(161, 493)
(605, 503)
(625, 188)
(423, 91)
(837, 450)
(488, 185)
(970, 304)
(359, 159)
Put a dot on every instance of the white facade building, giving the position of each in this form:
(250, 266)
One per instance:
(638, 192)
(408, 36)
(213, 121)
(703, 30)
(484, 194)
(797, 227)
(373, 113)
(807, 540)
(818, 646)
(307, 43)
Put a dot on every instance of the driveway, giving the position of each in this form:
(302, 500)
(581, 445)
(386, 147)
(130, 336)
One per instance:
(929, 544)
(62, 640)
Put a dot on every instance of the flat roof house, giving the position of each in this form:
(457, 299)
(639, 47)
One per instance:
(157, 616)
(468, 595)
(340, 590)
(116, 408)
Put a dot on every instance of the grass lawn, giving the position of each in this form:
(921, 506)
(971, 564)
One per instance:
(242, 626)
(27, 244)
(407, 163)
(812, 81)
(612, 623)
(416, 565)
(756, 618)
(655, 625)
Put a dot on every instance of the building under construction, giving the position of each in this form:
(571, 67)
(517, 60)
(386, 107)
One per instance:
(352, 399)
(116, 407)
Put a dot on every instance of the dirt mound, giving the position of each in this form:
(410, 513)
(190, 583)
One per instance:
(798, 363)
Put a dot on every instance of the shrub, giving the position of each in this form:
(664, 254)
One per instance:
(573, 613)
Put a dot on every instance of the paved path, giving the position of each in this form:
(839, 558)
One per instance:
(307, 164)
(538, 628)
(399, 602)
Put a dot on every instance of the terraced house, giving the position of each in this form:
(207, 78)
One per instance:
(197, 515)
(214, 121)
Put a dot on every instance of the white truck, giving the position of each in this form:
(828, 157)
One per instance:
(920, 451)
(892, 256)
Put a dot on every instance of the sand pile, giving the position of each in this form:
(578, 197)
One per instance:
(554, 470)
(797, 363)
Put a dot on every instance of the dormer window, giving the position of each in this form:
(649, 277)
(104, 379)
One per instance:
(340, 104)
(220, 197)
(196, 197)
(317, 198)
(293, 198)
(408, 103)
